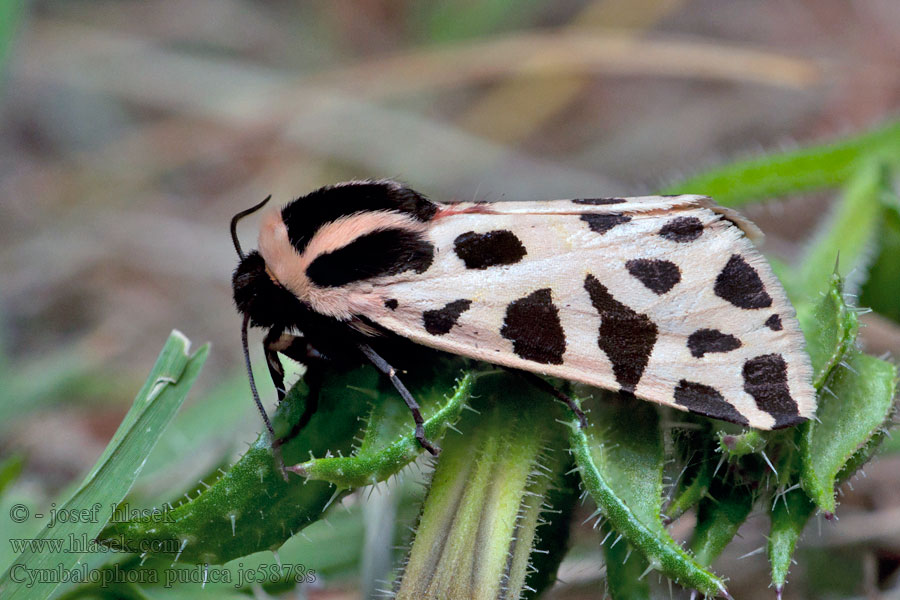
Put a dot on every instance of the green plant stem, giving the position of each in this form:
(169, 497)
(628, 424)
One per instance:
(480, 519)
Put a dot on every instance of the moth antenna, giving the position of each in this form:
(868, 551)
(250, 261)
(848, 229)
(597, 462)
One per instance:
(276, 447)
(234, 222)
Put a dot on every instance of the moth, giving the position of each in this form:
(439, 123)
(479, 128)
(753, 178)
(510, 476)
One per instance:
(662, 297)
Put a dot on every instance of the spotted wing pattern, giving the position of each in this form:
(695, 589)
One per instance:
(662, 297)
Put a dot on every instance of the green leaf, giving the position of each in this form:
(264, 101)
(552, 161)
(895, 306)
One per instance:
(691, 492)
(696, 452)
(719, 517)
(118, 466)
(849, 232)
(774, 175)
(252, 507)
(788, 515)
(865, 452)
(197, 430)
(331, 548)
(830, 328)
(389, 443)
(789, 509)
(626, 570)
(857, 409)
(620, 457)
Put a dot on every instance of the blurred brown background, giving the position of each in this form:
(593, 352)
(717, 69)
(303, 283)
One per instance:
(131, 132)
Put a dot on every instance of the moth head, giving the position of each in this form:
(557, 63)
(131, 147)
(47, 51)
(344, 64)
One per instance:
(258, 296)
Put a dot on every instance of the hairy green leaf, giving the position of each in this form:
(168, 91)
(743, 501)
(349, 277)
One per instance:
(389, 443)
(695, 451)
(774, 175)
(719, 517)
(849, 417)
(252, 507)
(830, 328)
(626, 569)
(620, 457)
(788, 515)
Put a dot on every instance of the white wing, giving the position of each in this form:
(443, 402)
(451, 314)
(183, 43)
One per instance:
(664, 297)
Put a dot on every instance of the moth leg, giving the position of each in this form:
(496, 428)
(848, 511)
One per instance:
(292, 346)
(383, 366)
(544, 386)
(296, 348)
(271, 345)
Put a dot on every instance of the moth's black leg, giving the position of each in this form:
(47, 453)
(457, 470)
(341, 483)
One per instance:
(292, 346)
(383, 366)
(271, 346)
(296, 348)
(544, 386)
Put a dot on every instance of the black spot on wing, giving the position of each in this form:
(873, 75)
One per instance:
(765, 378)
(739, 283)
(703, 341)
(599, 201)
(682, 229)
(442, 320)
(532, 324)
(659, 276)
(603, 223)
(391, 303)
(483, 250)
(774, 323)
(626, 337)
(305, 215)
(384, 252)
(706, 400)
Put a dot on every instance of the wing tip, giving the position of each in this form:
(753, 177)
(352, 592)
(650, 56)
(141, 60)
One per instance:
(749, 228)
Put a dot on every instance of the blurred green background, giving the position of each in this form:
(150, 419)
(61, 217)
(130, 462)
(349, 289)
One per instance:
(130, 132)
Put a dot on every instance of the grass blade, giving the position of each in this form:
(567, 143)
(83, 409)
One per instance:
(115, 471)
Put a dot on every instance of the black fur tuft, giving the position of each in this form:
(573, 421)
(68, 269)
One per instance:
(305, 215)
(256, 294)
(383, 252)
